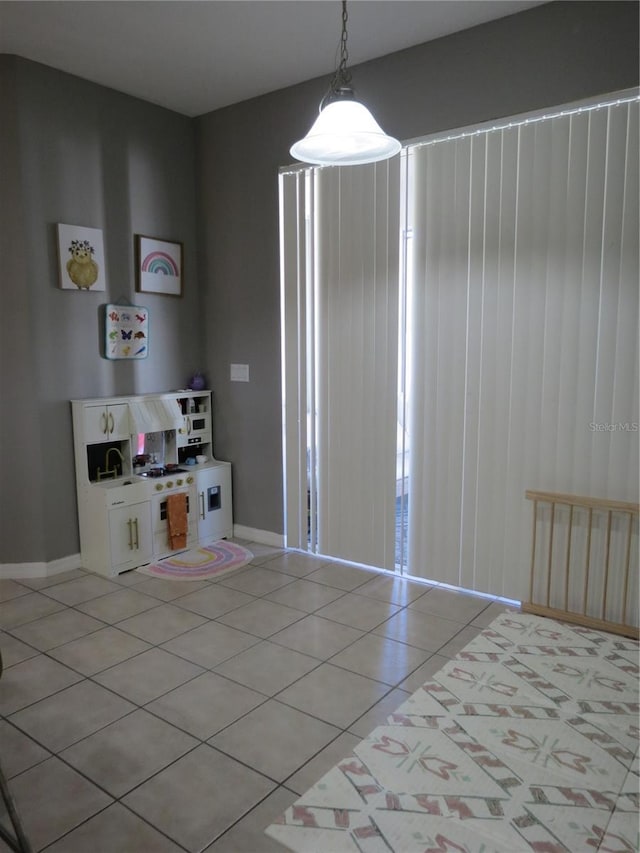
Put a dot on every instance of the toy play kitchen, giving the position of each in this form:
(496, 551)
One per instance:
(147, 483)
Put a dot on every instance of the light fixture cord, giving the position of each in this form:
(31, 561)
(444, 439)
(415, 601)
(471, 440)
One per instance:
(342, 75)
(340, 85)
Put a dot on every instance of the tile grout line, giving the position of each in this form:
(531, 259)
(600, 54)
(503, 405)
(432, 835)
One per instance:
(341, 730)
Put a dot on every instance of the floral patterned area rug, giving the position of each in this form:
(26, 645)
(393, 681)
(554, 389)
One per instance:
(198, 564)
(528, 740)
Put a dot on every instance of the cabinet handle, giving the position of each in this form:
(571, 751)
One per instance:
(188, 425)
(130, 526)
(135, 523)
(103, 423)
(202, 505)
(111, 422)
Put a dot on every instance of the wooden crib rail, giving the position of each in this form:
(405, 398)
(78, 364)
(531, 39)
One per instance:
(584, 556)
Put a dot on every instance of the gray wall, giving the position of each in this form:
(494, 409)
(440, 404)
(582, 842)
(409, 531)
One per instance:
(74, 152)
(81, 154)
(549, 55)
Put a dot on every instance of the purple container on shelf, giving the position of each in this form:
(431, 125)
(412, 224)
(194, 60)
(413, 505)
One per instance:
(197, 382)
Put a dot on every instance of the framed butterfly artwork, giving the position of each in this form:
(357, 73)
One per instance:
(126, 331)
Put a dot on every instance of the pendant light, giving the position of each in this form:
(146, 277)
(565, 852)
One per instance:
(345, 133)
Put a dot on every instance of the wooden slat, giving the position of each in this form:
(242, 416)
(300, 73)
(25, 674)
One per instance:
(580, 619)
(587, 565)
(567, 559)
(579, 500)
(533, 548)
(625, 589)
(607, 559)
(550, 552)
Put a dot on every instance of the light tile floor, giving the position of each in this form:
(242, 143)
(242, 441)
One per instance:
(141, 715)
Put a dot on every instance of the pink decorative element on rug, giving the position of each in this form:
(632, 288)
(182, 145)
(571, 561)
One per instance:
(211, 561)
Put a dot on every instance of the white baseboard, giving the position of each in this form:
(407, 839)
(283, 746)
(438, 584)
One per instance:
(264, 537)
(15, 571)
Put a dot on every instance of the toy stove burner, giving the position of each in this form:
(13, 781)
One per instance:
(161, 472)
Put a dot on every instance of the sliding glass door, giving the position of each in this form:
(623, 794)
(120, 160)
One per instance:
(459, 325)
(524, 352)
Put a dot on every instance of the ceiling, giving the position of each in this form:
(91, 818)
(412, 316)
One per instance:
(196, 56)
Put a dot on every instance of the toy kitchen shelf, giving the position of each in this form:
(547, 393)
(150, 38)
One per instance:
(131, 453)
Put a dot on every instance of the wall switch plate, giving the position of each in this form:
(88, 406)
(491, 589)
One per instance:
(239, 373)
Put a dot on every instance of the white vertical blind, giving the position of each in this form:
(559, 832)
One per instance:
(525, 335)
(340, 319)
(295, 261)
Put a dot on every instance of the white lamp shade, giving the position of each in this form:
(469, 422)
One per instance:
(345, 134)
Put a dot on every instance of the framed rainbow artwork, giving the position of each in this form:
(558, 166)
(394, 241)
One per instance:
(158, 266)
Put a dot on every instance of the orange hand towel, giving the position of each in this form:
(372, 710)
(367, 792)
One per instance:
(177, 523)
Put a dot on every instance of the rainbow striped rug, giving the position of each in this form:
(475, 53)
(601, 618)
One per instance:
(210, 561)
